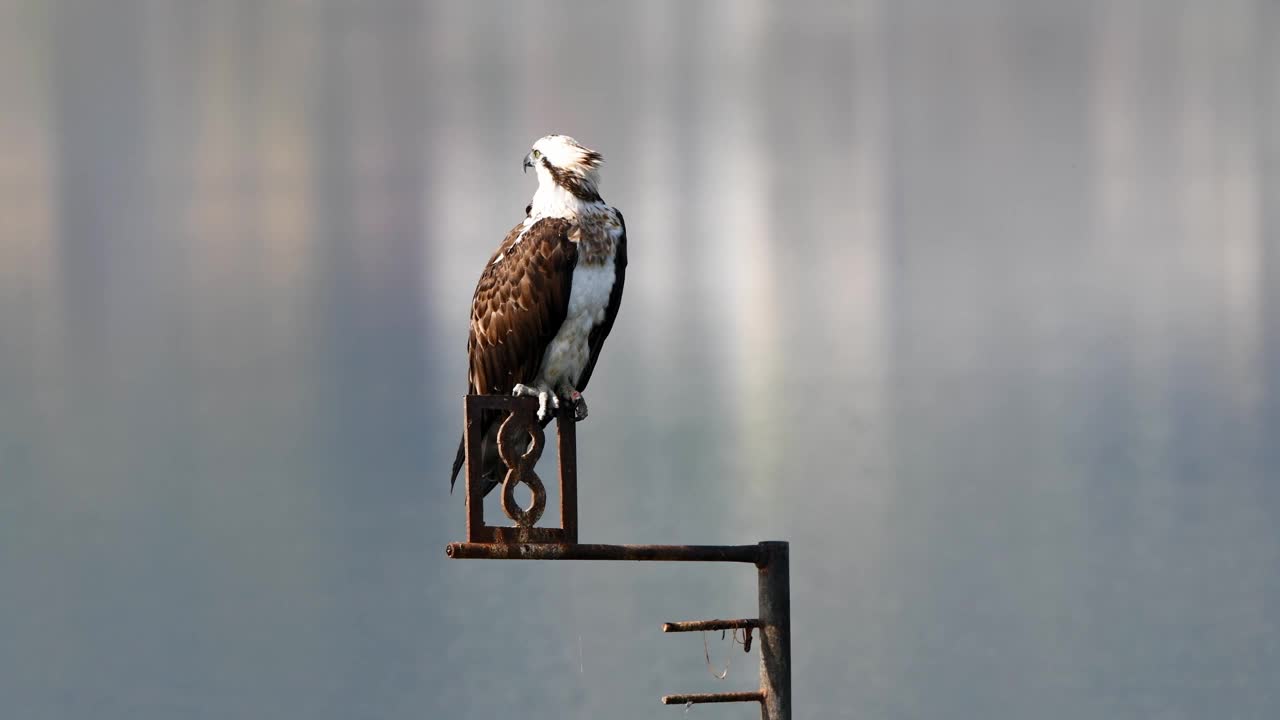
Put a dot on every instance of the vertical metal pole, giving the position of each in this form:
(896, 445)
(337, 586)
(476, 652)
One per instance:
(472, 438)
(775, 630)
(567, 437)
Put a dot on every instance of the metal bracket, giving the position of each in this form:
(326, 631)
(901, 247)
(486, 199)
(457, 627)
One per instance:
(520, 443)
(774, 625)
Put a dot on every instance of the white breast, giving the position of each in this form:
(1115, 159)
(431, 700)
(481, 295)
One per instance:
(567, 355)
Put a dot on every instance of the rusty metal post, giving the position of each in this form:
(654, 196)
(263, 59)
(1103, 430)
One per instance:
(775, 630)
(567, 449)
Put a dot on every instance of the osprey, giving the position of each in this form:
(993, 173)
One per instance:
(548, 296)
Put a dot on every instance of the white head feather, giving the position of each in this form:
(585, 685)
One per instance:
(567, 154)
(568, 177)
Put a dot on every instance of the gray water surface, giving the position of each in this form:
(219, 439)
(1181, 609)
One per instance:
(975, 303)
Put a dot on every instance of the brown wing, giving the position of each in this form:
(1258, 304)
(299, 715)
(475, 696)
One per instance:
(596, 339)
(520, 302)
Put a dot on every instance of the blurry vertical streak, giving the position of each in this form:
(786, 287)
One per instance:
(34, 392)
(338, 296)
(847, 333)
(1230, 87)
(530, 55)
(1178, 207)
(667, 281)
(500, 48)
(32, 343)
(691, 277)
(454, 226)
(1267, 112)
(443, 254)
(218, 216)
(658, 365)
(100, 134)
(1134, 273)
(283, 163)
(224, 295)
(1199, 104)
(94, 472)
(854, 273)
(737, 229)
(659, 240)
(856, 277)
(1197, 108)
(167, 108)
(174, 455)
(365, 48)
(1126, 520)
(1222, 148)
(238, 335)
(1219, 198)
(380, 59)
(1169, 331)
(1153, 242)
(1115, 107)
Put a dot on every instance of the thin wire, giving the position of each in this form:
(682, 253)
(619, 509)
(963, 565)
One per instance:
(706, 653)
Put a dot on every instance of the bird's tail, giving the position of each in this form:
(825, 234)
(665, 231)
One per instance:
(489, 459)
(457, 462)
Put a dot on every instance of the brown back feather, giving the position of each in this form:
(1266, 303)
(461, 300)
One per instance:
(519, 305)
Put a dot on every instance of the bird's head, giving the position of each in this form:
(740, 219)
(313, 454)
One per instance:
(562, 161)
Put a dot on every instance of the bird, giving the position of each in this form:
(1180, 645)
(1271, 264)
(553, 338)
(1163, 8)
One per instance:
(548, 296)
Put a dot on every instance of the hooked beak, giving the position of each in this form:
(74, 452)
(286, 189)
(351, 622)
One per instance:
(528, 162)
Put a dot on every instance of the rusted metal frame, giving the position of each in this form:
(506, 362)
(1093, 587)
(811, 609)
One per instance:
(541, 543)
(772, 561)
(478, 531)
(567, 454)
(774, 577)
(472, 437)
(774, 626)
(699, 698)
(696, 625)
(750, 554)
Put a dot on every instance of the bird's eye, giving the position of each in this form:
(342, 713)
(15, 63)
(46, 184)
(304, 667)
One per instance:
(537, 154)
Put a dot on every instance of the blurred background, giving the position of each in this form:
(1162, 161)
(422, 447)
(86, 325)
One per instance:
(975, 303)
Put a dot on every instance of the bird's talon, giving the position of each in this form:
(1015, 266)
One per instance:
(545, 397)
(579, 407)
